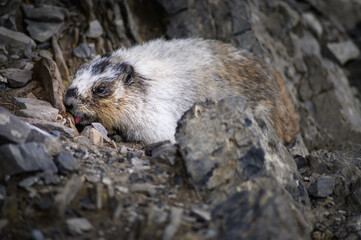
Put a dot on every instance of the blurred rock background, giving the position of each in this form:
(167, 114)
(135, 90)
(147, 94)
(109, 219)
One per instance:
(104, 188)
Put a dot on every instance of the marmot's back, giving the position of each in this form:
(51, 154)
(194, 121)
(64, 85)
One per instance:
(144, 90)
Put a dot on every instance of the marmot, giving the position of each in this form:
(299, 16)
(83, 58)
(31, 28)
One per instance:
(144, 90)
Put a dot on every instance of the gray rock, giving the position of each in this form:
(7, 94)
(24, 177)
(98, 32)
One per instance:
(312, 22)
(51, 126)
(15, 39)
(102, 130)
(52, 144)
(28, 182)
(223, 145)
(3, 59)
(33, 108)
(261, 210)
(49, 177)
(143, 187)
(95, 29)
(78, 226)
(148, 149)
(25, 157)
(344, 51)
(3, 79)
(17, 77)
(172, 228)
(203, 212)
(12, 129)
(322, 187)
(42, 31)
(66, 195)
(45, 13)
(66, 162)
(82, 51)
(166, 153)
(36, 234)
(47, 72)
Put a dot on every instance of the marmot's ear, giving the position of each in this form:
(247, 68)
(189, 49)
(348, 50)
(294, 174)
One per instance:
(128, 74)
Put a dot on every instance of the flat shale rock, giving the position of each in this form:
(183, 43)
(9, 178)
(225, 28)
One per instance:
(223, 145)
(77, 226)
(45, 13)
(17, 77)
(12, 129)
(47, 72)
(42, 31)
(15, 39)
(33, 108)
(262, 210)
(51, 126)
(66, 162)
(26, 157)
(344, 51)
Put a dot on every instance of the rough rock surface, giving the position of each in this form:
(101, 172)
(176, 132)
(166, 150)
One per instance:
(228, 176)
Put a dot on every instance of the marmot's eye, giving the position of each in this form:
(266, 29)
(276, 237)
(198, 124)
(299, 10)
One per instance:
(100, 90)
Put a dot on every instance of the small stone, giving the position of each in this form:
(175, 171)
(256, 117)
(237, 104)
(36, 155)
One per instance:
(94, 135)
(322, 187)
(52, 144)
(45, 13)
(140, 164)
(15, 39)
(82, 51)
(102, 130)
(143, 187)
(17, 77)
(47, 72)
(122, 189)
(95, 29)
(312, 22)
(42, 31)
(78, 226)
(28, 182)
(150, 147)
(51, 126)
(67, 194)
(33, 108)
(49, 177)
(26, 157)
(36, 234)
(12, 129)
(82, 140)
(166, 153)
(123, 150)
(202, 212)
(344, 51)
(172, 228)
(66, 162)
(3, 59)
(3, 79)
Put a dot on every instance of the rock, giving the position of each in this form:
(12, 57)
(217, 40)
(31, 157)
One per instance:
(261, 210)
(3, 59)
(346, 12)
(12, 129)
(95, 29)
(25, 157)
(66, 195)
(17, 77)
(47, 72)
(101, 129)
(312, 22)
(93, 134)
(143, 187)
(28, 182)
(166, 153)
(82, 51)
(52, 144)
(322, 187)
(36, 234)
(59, 59)
(49, 177)
(51, 126)
(33, 108)
(66, 162)
(45, 13)
(78, 226)
(3, 80)
(15, 39)
(82, 140)
(175, 221)
(148, 149)
(42, 31)
(202, 212)
(344, 51)
(223, 145)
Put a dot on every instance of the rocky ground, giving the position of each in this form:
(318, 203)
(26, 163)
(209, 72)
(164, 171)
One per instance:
(228, 176)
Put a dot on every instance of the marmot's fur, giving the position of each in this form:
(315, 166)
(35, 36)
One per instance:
(143, 91)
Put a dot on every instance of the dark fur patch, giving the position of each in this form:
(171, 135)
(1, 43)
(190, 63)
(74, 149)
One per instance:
(71, 92)
(100, 66)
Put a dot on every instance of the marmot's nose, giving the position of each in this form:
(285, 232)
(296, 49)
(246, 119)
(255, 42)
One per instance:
(69, 98)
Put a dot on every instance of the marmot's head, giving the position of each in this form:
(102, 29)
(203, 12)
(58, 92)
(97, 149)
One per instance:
(103, 90)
